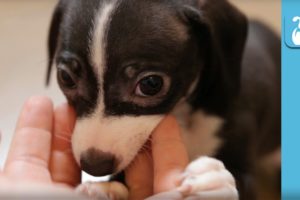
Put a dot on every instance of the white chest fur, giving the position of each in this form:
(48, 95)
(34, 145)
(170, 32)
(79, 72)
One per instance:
(199, 131)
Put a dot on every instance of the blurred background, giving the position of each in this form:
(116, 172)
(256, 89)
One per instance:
(23, 53)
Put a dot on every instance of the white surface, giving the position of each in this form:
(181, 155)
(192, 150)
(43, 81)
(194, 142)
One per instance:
(23, 60)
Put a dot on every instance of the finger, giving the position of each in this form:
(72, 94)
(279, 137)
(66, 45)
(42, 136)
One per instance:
(139, 176)
(63, 166)
(229, 193)
(173, 195)
(29, 154)
(208, 181)
(203, 165)
(169, 155)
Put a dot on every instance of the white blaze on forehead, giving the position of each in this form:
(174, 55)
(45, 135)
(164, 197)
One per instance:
(101, 24)
(99, 43)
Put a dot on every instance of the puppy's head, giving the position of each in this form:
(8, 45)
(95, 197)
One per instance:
(124, 64)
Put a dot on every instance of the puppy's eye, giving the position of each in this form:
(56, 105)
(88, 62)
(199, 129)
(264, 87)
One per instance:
(69, 70)
(66, 79)
(149, 86)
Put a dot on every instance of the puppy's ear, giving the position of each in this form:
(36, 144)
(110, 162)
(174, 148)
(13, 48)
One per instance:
(53, 38)
(221, 32)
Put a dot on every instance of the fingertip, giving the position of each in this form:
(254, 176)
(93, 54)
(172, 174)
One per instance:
(66, 107)
(169, 122)
(38, 101)
(65, 113)
(32, 138)
(168, 129)
(37, 112)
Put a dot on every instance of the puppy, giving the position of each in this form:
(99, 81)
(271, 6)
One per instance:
(125, 64)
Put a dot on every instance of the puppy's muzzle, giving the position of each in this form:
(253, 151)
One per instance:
(98, 163)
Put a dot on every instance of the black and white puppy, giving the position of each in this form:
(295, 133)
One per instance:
(125, 64)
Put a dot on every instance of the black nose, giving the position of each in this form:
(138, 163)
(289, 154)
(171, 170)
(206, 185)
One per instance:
(97, 163)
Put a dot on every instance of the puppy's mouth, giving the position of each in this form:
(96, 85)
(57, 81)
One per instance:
(107, 146)
(98, 163)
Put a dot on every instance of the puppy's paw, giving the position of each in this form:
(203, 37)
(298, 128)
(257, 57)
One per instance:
(103, 190)
(207, 178)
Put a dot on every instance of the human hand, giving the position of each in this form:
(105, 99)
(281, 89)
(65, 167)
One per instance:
(165, 171)
(160, 168)
(40, 157)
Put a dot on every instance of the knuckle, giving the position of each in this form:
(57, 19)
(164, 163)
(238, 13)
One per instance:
(32, 132)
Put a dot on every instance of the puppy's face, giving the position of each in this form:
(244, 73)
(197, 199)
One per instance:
(123, 65)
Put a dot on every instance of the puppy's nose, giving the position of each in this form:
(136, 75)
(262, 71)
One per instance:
(97, 163)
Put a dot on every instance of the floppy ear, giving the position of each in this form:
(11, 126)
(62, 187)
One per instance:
(221, 32)
(53, 38)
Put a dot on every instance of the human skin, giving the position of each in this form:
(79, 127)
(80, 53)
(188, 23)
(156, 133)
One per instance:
(40, 157)
(40, 153)
(159, 169)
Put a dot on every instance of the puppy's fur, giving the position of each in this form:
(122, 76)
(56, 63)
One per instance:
(223, 87)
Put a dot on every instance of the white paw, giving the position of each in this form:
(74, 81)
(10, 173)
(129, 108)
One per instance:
(103, 190)
(207, 178)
